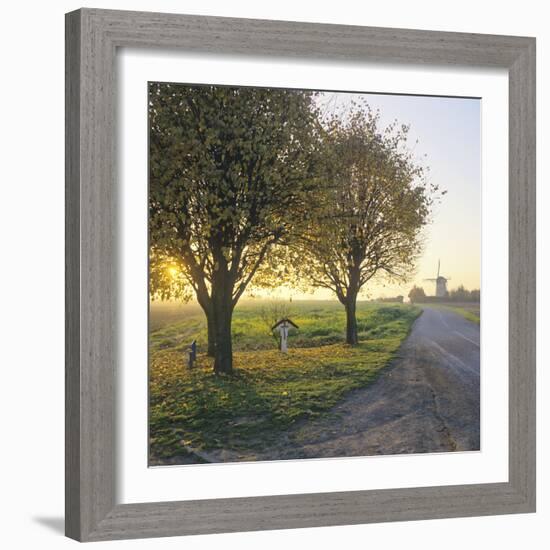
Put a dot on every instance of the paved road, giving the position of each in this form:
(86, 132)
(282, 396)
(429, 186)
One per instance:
(427, 401)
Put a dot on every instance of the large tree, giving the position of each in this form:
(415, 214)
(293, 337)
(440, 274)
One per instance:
(230, 174)
(377, 201)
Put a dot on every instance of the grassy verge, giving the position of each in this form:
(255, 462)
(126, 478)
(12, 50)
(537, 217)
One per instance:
(269, 391)
(468, 311)
(467, 314)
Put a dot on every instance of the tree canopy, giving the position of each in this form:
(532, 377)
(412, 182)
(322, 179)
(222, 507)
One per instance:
(231, 170)
(377, 199)
(253, 187)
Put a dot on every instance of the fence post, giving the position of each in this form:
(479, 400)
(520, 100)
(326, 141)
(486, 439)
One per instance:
(192, 354)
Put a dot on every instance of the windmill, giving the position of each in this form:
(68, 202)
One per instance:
(440, 283)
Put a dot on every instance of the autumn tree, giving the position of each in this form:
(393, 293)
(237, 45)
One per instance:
(377, 201)
(230, 174)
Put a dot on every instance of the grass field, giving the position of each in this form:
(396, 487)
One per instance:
(468, 310)
(195, 410)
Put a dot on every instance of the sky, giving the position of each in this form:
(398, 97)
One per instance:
(448, 131)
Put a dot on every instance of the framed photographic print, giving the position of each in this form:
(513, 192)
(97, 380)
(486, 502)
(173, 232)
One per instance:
(300, 275)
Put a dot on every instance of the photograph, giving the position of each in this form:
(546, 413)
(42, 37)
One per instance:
(314, 274)
(271, 275)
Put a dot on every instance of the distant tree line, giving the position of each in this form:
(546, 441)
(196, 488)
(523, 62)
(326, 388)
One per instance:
(399, 299)
(460, 294)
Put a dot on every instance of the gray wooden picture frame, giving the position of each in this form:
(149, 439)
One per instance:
(92, 38)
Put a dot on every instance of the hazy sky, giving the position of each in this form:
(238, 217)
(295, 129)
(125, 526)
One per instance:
(448, 132)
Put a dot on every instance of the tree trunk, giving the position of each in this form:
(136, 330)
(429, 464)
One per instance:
(211, 334)
(223, 353)
(207, 308)
(351, 321)
(222, 308)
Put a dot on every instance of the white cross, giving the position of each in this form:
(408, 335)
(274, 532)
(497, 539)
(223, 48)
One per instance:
(283, 332)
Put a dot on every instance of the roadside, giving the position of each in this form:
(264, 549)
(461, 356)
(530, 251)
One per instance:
(193, 411)
(426, 401)
(468, 310)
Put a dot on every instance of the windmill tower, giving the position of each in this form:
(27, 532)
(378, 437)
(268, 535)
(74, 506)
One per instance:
(440, 283)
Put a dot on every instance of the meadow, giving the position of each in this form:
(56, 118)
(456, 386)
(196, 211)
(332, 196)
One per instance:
(193, 410)
(468, 310)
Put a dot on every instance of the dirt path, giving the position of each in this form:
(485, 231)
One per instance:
(426, 401)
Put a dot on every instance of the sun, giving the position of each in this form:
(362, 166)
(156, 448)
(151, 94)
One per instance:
(173, 272)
